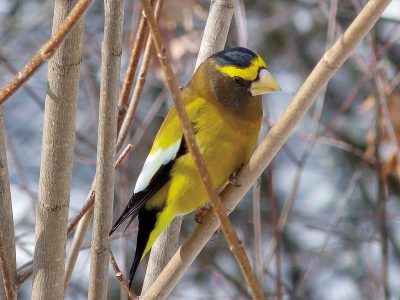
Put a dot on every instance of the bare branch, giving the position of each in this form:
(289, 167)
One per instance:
(83, 219)
(120, 277)
(334, 223)
(47, 50)
(131, 70)
(141, 79)
(7, 237)
(106, 145)
(57, 156)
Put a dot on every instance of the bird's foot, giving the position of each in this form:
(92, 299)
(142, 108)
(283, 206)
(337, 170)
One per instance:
(233, 181)
(200, 215)
(199, 219)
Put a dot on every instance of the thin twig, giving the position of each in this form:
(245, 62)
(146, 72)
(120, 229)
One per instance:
(90, 201)
(361, 80)
(77, 241)
(46, 51)
(289, 201)
(31, 92)
(153, 110)
(240, 287)
(276, 232)
(131, 70)
(87, 207)
(121, 278)
(274, 248)
(140, 81)
(19, 171)
(257, 230)
(382, 117)
(83, 218)
(336, 217)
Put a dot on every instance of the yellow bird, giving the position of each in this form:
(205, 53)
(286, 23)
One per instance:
(224, 107)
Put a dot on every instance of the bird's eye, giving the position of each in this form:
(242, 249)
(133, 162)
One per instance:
(239, 81)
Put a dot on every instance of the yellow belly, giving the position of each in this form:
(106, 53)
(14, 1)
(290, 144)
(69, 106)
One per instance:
(224, 150)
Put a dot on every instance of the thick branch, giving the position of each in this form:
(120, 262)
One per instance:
(57, 159)
(324, 70)
(7, 238)
(82, 219)
(104, 187)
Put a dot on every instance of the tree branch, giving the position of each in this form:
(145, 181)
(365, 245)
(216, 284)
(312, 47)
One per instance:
(106, 143)
(120, 277)
(46, 51)
(7, 237)
(126, 123)
(131, 70)
(57, 158)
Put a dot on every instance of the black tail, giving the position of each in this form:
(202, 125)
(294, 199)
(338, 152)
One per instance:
(147, 222)
(132, 208)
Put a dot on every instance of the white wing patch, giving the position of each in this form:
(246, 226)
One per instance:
(153, 163)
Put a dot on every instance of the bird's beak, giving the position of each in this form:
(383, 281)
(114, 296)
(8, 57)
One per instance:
(264, 83)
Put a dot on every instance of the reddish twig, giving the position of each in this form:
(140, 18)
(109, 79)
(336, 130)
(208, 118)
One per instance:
(86, 207)
(90, 201)
(121, 278)
(137, 92)
(45, 52)
(131, 70)
(31, 92)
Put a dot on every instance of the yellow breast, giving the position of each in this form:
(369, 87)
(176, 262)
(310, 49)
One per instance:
(225, 147)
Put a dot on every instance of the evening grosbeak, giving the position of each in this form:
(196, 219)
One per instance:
(224, 106)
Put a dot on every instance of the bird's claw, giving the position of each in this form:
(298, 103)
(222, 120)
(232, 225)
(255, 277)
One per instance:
(200, 215)
(233, 180)
(199, 219)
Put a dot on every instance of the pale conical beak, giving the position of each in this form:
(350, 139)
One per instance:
(264, 84)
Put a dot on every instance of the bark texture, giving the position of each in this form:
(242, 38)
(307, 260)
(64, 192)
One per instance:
(8, 265)
(104, 189)
(57, 159)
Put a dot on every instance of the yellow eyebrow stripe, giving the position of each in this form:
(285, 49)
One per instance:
(250, 73)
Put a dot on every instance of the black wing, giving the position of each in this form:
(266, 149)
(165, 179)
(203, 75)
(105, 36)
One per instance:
(161, 177)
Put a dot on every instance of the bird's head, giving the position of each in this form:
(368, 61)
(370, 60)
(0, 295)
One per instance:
(237, 75)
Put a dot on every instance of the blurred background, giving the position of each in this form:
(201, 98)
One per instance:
(334, 186)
